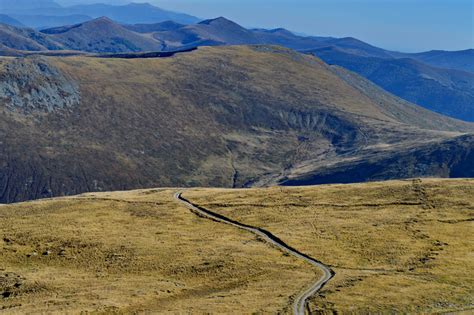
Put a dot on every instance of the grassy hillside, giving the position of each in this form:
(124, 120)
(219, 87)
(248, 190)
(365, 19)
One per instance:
(101, 35)
(226, 116)
(16, 38)
(134, 252)
(396, 247)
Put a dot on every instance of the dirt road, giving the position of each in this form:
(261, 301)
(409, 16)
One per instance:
(299, 306)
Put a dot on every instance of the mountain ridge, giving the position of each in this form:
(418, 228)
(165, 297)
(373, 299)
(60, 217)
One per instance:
(131, 13)
(6, 19)
(101, 35)
(217, 116)
(446, 91)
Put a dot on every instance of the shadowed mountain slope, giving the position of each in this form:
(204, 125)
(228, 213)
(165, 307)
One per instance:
(450, 158)
(227, 116)
(156, 27)
(25, 39)
(450, 92)
(459, 60)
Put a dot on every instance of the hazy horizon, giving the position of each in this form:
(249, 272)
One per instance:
(403, 25)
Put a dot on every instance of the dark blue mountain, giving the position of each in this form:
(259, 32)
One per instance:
(460, 60)
(132, 13)
(26, 5)
(47, 21)
(155, 27)
(446, 91)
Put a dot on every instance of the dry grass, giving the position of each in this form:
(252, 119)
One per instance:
(137, 251)
(401, 246)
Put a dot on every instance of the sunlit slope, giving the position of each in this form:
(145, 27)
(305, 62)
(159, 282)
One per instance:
(400, 246)
(138, 251)
(396, 247)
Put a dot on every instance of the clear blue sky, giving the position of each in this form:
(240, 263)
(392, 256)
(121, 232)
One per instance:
(405, 25)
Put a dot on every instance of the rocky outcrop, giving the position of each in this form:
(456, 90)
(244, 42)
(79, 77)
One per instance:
(33, 85)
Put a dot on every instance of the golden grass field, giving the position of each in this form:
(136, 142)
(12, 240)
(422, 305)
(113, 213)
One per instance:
(137, 251)
(399, 246)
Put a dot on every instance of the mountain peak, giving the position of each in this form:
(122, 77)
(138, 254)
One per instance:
(102, 19)
(281, 31)
(100, 24)
(140, 4)
(217, 21)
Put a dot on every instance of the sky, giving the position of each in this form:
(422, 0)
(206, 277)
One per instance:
(403, 25)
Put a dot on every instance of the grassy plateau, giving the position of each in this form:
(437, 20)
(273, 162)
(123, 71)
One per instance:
(398, 246)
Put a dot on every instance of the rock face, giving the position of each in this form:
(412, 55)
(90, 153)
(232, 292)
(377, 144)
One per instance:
(33, 85)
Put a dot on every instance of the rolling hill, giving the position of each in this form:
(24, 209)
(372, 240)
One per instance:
(394, 246)
(409, 76)
(101, 35)
(218, 116)
(25, 39)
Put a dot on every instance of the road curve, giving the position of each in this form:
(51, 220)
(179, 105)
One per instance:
(299, 305)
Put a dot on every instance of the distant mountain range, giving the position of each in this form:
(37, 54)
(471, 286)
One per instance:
(101, 35)
(446, 91)
(47, 13)
(439, 81)
(5, 19)
(14, 38)
(459, 60)
(24, 5)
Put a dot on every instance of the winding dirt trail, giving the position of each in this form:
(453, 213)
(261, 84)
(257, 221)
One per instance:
(299, 306)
